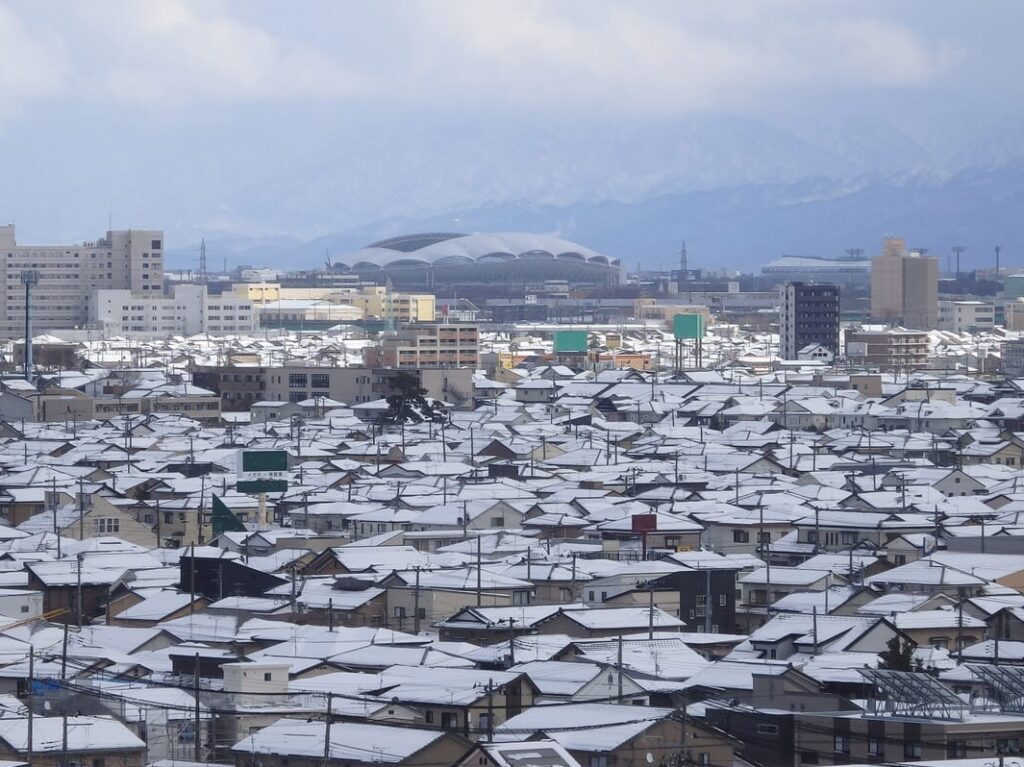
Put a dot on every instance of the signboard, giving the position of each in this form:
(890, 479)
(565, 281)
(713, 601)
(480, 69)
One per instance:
(644, 523)
(570, 342)
(262, 471)
(688, 326)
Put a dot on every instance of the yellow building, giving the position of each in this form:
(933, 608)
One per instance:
(373, 301)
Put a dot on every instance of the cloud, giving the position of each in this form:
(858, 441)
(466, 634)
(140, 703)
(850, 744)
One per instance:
(653, 57)
(180, 52)
(659, 58)
(33, 63)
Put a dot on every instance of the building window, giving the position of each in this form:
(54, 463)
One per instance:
(911, 749)
(740, 536)
(297, 380)
(956, 749)
(106, 525)
(320, 381)
(874, 746)
(767, 729)
(449, 720)
(842, 744)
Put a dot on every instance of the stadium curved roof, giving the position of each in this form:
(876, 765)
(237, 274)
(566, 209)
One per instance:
(446, 249)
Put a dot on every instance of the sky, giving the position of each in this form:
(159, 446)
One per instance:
(269, 119)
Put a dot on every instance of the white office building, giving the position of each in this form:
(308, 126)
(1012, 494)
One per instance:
(68, 275)
(189, 310)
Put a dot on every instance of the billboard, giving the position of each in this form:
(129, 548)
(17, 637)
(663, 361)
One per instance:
(686, 326)
(570, 342)
(262, 471)
(644, 523)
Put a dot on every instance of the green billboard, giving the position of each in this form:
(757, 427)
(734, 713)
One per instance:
(570, 342)
(685, 326)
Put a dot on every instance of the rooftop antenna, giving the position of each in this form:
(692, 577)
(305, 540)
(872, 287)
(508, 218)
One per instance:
(684, 267)
(202, 261)
(958, 249)
(998, 249)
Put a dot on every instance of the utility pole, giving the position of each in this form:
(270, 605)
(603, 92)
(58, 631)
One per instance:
(479, 592)
(650, 613)
(416, 603)
(197, 746)
(327, 728)
(998, 249)
(79, 596)
(28, 697)
(511, 642)
(620, 668)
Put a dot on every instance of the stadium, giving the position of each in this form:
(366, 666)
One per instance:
(441, 260)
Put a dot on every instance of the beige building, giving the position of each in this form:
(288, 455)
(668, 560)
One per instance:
(129, 260)
(428, 346)
(904, 287)
(1014, 314)
(358, 385)
(893, 349)
(371, 301)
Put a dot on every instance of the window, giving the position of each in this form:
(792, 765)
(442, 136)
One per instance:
(956, 749)
(598, 760)
(740, 536)
(497, 521)
(399, 612)
(874, 746)
(267, 676)
(849, 538)
(320, 381)
(297, 380)
(911, 749)
(764, 538)
(449, 720)
(842, 744)
(484, 722)
(722, 599)
(106, 525)
(1007, 745)
(520, 597)
(429, 718)
(767, 729)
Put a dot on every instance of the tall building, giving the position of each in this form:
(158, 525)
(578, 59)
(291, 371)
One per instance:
(69, 275)
(809, 314)
(904, 287)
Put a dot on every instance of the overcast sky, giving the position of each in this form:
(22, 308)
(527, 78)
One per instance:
(185, 114)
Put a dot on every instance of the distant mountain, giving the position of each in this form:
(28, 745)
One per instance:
(740, 225)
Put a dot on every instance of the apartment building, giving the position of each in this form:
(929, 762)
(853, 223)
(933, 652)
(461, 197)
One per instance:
(808, 314)
(428, 346)
(892, 349)
(189, 310)
(68, 275)
(365, 384)
(904, 286)
(967, 316)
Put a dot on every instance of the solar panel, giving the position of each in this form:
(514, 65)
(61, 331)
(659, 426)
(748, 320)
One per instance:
(1006, 684)
(914, 695)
